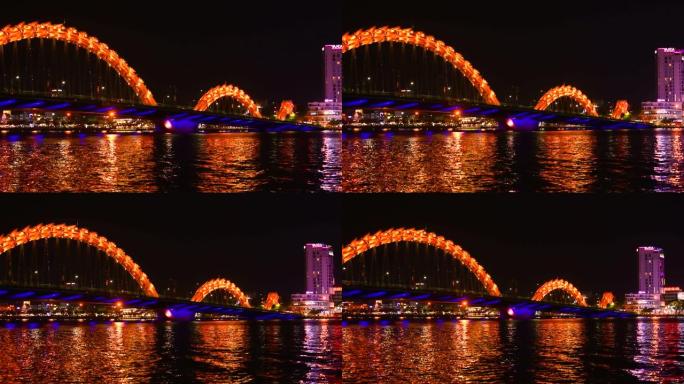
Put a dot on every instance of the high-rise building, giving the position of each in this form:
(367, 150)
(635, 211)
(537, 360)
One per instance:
(319, 269)
(651, 270)
(333, 73)
(670, 74)
(330, 109)
(320, 282)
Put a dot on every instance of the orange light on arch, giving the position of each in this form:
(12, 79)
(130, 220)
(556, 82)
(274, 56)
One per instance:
(607, 299)
(566, 91)
(286, 109)
(376, 35)
(272, 300)
(370, 241)
(621, 108)
(227, 90)
(63, 231)
(35, 30)
(221, 285)
(559, 284)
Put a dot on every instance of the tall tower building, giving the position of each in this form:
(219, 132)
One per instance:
(320, 277)
(670, 74)
(651, 270)
(332, 56)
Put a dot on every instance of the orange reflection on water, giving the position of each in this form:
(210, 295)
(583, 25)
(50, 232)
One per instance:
(236, 162)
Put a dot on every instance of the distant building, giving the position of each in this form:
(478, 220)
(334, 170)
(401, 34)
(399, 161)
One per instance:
(670, 74)
(671, 294)
(651, 270)
(662, 112)
(320, 282)
(330, 109)
(332, 58)
(651, 282)
(319, 268)
(667, 109)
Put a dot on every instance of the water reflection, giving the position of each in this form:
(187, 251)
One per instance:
(239, 162)
(543, 351)
(170, 352)
(553, 161)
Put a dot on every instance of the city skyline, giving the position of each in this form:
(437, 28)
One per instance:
(605, 49)
(191, 242)
(526, 241)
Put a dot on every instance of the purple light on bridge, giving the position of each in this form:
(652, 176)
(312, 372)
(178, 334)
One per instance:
(58, 106)
(73, 297)
(23, 295)
(49, 296)
(6, 103)
(355, 103)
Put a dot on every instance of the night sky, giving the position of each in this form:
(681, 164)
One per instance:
(590, 240)
(254, 240)
(272, 50)
(605, 48)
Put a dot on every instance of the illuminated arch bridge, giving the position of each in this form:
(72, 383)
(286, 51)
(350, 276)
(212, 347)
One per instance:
(421, 81)
(412, 264)
(114, 87)
(59, 262)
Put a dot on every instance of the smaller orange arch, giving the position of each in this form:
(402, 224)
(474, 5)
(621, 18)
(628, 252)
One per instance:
(559, 284)
(221, 284)
(228, 90)
(286, 109)
(272, 300)
(566, 91)
(607, 300)
(621, 108)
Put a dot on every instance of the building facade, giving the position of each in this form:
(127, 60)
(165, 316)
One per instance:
(332, 57)
(320, 278)
(670, 74)
(651, 270)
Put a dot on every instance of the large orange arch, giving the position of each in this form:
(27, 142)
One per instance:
(559, 284)
(224, 285)
(566, 91)
(375, 35)
(227, 90)
(62, 231)
(420, 236)
(36, 30)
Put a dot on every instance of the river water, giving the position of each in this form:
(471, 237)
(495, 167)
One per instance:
(212, 352)
(232, 162)
(542, 161)
(541, 351)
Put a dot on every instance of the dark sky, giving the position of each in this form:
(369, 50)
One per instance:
(605, 48)
(254, 240)
(589, 240)
(270, 49)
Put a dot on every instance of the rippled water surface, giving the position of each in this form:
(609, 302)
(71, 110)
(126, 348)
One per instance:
(543, 351)
(235, 162)
(211, 352)
(551, 161)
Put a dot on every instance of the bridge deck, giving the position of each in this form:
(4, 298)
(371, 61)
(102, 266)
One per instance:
(521, 116)
(363, 294)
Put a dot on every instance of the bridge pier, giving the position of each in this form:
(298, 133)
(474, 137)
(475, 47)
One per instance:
(518, 124)
(182, 315)
(516, 313)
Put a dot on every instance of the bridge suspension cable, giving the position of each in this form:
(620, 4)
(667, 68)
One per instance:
(221, 285)
(559, 284)
(59, 32)
(370, 241)
(20, 237)
(375, 35)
